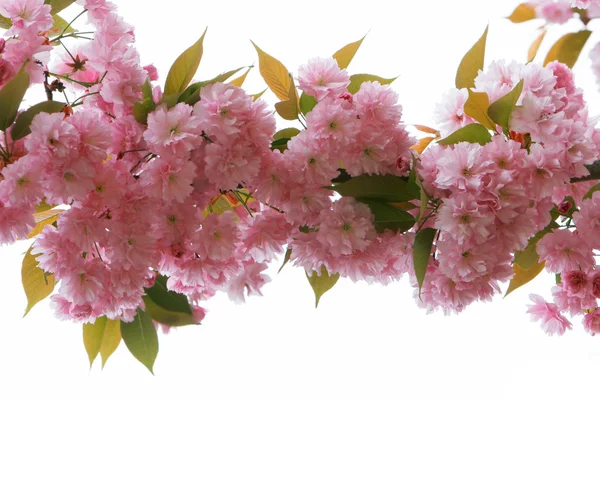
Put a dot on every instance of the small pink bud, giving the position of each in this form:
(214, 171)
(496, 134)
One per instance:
(564, 207)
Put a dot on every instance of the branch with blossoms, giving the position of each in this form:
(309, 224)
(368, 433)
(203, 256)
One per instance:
(144, 200)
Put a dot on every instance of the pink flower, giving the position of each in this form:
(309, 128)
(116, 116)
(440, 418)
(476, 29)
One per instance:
(564, 251)
(577, 282)
(346, 228)
(378, 105)
(32, 15)
(462, 167)
(551, 321)
(249, 282)
(15, 222)
(554, 11)
(175, 131)
(449, 114)
(591, 322)
(465, 219)
(218, 236)
(322, 77)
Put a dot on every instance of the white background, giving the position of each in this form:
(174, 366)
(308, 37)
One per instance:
(368, 385)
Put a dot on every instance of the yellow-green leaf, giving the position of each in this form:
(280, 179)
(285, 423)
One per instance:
(286, 259)
(523, 13)
(471, 63)
(110, 340)
(11, 95)
(422, 253)
(58, 5)
(535, 46)
(5, 23)
(472, 133)
(21, 127)
(321, 283)
(307, 103)
(256, 96)
(141, 338)
(60, 25)
(357, 80)
(502, 109)
(286, 133)
(93, 334)
(274, 73)
(184, 68)
(36, 282)
(523, 276)
(239, 81)
(477, 106)
(568, 47)
(288, 109)
(344, 55)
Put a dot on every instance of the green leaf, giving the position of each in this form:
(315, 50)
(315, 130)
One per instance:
(471, 63)
(423, 196)
(528, 258)
(58, 5)
(191, 95)
(568, 47)
(184, 68)
(523, 276)
(472, 133)
(147, 89)
(11, 95)
(165, 298)
(388, 216)
(307, 103)
(388, 188)
(502, 109)
(110, 340)
(286, 259)
(591, 191)
(286, 133)
(523, 13)
(93, 334)
(344, 55)
(141, 338)
(36, 282)
(280, 144)
(141, 110)
(167, 317)
(322, 283)
(21, 126)
(422, 253)
(274, 73)
(477, 106)
(357, 80)
(60, 25)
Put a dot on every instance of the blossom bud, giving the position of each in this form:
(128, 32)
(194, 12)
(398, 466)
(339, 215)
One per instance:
(564, 207)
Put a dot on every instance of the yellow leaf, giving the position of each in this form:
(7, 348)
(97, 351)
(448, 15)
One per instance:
(427, 129)
(42, 219)
(535, 46)
(256, 96)
(184, 68)
(288, 109)
(92, 337)
(423, 143)
(471, 63)
(568, 47)
(239, 81)
(274, 73)
(110, 339)
(321, 283)
(36, 282)
(344, 55)
(477, 106)
(523, 276)
(523, 13)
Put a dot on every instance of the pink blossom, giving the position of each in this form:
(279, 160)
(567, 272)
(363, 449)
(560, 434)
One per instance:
(591, 322)
(450, 115)
(563, 251)
(15, 222)
(322, 77)
(175, 131)
(554, 11)
(551, 321)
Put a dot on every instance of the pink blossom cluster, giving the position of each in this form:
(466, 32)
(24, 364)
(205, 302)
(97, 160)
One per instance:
(358, 134)
(141, 200)
(494, 198)
(26, 42)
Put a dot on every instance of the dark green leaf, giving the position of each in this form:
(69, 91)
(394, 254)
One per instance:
(388, 216)
(357, 80)
(388, 188)
(141, 339)
(167, 317)
(141, 110)
(502, 109)
(184, 68)
(471, 63)
(472, 133)
(21, 126)
(11, 95)
(165, 298)
(280, 144)
(322, 283)
(422, 253)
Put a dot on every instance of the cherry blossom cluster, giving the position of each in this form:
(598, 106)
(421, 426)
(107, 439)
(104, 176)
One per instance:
(140, 199)
(495, 197)
(356, 134)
